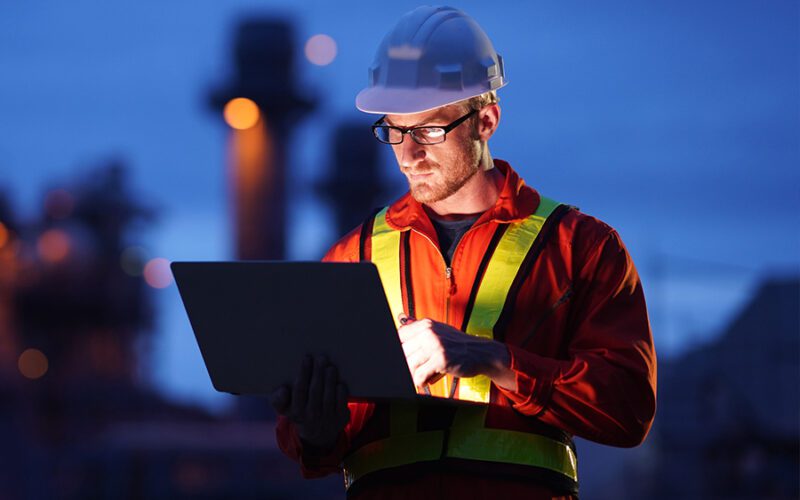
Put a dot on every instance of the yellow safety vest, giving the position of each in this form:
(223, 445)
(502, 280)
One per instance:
(467, 438)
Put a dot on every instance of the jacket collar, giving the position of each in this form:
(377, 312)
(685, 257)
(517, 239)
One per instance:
(515, 202)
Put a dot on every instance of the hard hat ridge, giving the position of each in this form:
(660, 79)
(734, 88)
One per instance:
(434, 56)
(418, 25)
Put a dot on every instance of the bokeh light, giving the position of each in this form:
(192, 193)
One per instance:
(241, 113)
(53, 245)
(3, 235)
(59, 204)
(157, 273)
(320, 50)
(32, 364)
(132, 260)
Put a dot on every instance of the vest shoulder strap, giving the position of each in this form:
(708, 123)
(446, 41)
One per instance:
(386, 256)
(493, 290)
(366, 230)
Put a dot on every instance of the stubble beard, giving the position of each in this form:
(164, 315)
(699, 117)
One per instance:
(449, 180)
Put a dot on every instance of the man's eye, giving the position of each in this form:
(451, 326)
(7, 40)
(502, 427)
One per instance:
(430, 132)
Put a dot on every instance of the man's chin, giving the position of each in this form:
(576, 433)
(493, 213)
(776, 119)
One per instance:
(422, 193)
(425, 194)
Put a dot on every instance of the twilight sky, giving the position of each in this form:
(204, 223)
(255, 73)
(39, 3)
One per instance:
(677, 122)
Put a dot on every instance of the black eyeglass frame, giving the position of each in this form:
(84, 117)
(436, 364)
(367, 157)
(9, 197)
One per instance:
(403, 131)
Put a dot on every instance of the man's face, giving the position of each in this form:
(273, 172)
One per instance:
(437, 171)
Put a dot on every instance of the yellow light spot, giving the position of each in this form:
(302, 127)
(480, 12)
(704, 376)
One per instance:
(241, 113)
(3, 235)
(157, 273)
(320, 50)
(59, 203)
(53, 245)
(32, 364)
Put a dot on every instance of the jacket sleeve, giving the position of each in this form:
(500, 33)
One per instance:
(605, 390)
(318, 463)
(315, 462)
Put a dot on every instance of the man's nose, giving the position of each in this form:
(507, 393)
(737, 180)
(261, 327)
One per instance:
(410, 153)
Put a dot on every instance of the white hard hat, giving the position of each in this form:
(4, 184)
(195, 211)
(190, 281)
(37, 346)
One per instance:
(434, 56)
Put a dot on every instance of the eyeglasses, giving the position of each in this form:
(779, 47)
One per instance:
(421, 135)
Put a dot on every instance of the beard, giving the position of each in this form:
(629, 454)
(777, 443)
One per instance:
(444, 181)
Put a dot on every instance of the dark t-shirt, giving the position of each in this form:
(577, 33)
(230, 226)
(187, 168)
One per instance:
(449, 233)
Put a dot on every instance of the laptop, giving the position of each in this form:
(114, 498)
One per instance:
(254, 321)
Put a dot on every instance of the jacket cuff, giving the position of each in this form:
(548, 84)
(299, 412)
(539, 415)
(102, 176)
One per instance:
(314, 462)
(535, 376)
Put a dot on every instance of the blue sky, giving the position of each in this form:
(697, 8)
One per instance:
(676, 122)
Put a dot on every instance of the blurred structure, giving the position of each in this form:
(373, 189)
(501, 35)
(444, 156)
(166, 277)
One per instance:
(728, 423)
(262, 106)
(354, 186)
(265, 75)
(78, 419)
(728, 418)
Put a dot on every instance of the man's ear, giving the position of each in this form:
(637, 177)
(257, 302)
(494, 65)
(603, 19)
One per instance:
(488, 120)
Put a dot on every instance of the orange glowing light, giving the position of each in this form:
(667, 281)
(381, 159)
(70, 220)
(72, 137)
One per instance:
(32, 364)
(241, 113)
(53, 245)
(157, 273)
(320, 50)
(3, 235)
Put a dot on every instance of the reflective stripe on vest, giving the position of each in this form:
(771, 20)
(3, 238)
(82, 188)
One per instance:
(491, 297)
(386, 256)
(467, 438)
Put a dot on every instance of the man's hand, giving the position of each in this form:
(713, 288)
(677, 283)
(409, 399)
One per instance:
(316, 403)
(434, 349)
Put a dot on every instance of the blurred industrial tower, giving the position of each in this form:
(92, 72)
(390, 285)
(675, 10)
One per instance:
(257, 152)
(75, 318)
(354, 187)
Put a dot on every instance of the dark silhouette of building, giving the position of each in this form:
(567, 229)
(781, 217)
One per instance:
(728, 423)
(77, 420)
(354, 186)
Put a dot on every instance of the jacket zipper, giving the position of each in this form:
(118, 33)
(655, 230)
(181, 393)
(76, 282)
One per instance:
(448, 270)
(448, 275)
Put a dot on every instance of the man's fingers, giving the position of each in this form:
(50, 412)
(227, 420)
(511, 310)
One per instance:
(404, 319)
(279, 399)
(300, 388)
(410, 346)
(329, 393)
(316, 389)
(415, 363)
(416, 359)
(410, 331)
(405, 322)
(427, 372)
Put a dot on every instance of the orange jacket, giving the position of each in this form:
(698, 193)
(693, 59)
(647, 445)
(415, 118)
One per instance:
(587, 368)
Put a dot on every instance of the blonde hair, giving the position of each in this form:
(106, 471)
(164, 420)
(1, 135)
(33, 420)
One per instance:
(482, 100)
(477, 103)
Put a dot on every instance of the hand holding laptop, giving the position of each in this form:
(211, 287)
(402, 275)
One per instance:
(316, 402)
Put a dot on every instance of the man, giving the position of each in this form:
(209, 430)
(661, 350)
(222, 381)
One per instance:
(502, 296)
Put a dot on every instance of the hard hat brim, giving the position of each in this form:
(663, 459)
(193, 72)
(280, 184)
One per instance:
(405, 101)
